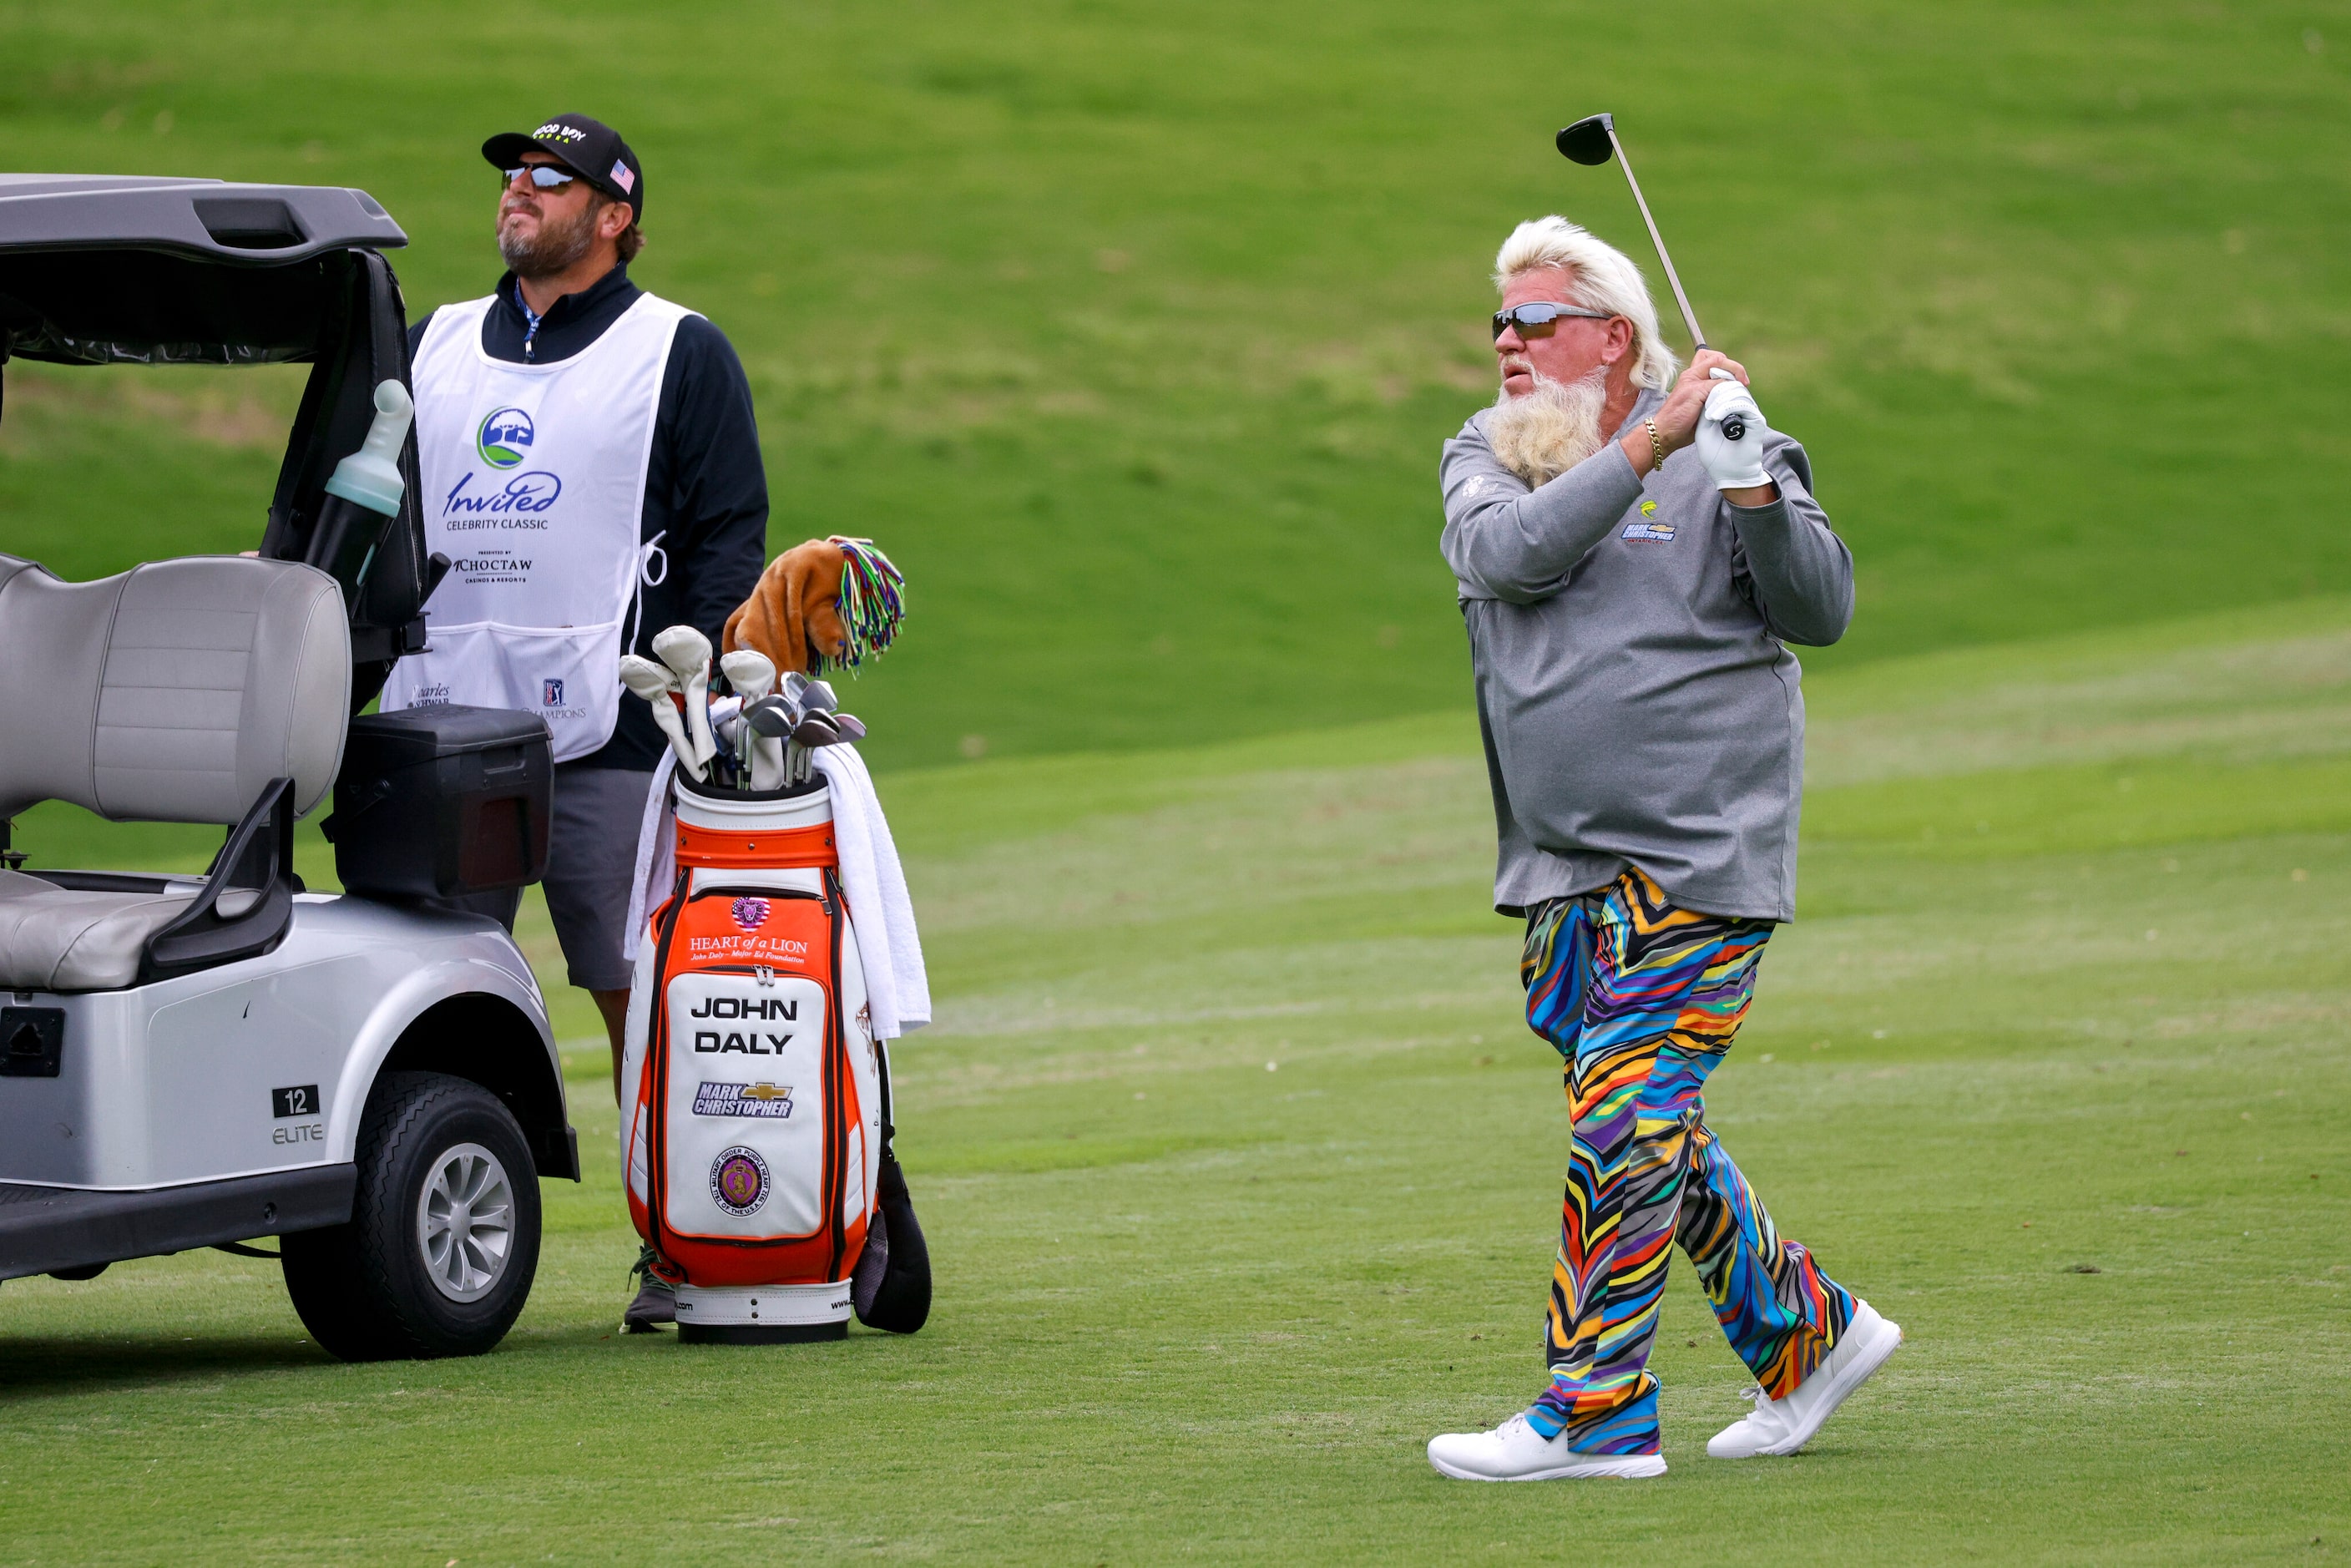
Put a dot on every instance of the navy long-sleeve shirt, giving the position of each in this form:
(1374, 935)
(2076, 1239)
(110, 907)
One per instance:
(706, 489)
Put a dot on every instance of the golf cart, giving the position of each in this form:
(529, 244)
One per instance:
(191, 1061)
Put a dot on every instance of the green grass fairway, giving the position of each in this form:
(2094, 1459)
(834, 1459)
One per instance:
(1239, 1170)
(1132, 330)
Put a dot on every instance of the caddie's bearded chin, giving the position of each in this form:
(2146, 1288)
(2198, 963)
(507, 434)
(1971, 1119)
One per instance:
(555, 247)
(1542, 433)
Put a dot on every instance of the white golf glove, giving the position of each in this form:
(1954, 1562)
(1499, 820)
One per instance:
(1735, 464)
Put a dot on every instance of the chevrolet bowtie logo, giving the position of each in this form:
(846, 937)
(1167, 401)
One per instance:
(765, 1091)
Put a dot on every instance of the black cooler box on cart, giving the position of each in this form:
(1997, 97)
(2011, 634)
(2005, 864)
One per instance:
(435, 802)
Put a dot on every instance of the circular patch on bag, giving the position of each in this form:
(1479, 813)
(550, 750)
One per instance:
(738, 1181)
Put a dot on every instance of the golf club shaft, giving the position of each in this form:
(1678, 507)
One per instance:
(1689, 316)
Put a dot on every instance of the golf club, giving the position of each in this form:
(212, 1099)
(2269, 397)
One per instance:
(817, 697)
(750, 673)
(726, 728)
(687, 654)
(1591, 140)
(658, 687)
(771, 721)
(852, 727)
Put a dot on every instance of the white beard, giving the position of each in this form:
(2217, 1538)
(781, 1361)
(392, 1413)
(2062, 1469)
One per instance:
(1540, 434)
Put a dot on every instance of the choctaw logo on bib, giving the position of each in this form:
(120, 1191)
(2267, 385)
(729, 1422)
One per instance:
(738, 1181)
(750, 914)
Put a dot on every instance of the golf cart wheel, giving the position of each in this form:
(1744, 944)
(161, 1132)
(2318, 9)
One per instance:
(442, 1241)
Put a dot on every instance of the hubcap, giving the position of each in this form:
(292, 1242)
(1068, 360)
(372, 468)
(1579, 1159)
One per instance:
(464, 1222)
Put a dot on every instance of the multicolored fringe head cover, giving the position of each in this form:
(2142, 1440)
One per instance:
(872, 602)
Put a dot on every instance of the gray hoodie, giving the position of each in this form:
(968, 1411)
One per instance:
(1638, 702)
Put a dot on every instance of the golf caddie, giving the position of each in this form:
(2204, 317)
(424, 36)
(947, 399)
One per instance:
(592, 469)
(1635, 553)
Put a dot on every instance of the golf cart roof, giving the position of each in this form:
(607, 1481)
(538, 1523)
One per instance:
(108, 268)
(112, 269)
(254, 225)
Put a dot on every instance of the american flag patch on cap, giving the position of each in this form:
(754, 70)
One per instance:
(622, 177)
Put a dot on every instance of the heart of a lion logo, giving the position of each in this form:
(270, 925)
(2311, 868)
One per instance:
(750, 914)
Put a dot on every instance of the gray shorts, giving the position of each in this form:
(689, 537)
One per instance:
(592, 855)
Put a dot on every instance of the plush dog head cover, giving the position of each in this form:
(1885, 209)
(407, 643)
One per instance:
(794, 610)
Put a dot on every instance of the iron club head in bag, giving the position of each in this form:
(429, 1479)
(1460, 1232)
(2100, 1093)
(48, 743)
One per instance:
(1591, 140)
(817, 697)
(771, 721)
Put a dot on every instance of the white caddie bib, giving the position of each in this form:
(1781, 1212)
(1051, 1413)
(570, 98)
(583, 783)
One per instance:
(534, 488)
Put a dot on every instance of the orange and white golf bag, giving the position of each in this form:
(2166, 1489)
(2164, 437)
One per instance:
(755, 1120)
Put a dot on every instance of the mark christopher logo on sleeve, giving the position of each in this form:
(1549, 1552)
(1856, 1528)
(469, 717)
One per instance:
(766, 1102)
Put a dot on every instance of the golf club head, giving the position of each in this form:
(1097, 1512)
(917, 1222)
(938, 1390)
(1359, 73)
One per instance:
(793, 685)
(749, 671)
(815, 730)
(647, 679)
(772, 717)
(683, 649)
(852, 727)
(1587, 141)
(817, 697)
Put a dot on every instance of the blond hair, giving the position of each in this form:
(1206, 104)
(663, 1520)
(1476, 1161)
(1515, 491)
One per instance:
(1601, 277)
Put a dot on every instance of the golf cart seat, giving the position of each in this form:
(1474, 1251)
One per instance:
(211, 689)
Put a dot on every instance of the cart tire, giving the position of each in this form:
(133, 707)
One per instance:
(443, 1242)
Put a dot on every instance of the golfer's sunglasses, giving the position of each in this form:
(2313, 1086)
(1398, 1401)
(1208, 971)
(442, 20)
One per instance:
(548, 177)
(1535, 320)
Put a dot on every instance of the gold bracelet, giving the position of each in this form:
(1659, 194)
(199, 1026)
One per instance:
(1656, 446)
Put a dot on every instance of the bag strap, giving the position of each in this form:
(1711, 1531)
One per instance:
(656, 1074)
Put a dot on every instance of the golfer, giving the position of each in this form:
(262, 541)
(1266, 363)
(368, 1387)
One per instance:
(592, 469)
(1629, 603)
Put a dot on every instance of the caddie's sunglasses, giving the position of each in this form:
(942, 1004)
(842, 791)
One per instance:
(1536, 320)
(548, 177)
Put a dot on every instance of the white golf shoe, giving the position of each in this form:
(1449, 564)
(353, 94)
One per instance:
(1515, 1451)
(1784, 1425)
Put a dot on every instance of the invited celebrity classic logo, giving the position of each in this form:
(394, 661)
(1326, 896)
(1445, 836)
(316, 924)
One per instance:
(505, 437)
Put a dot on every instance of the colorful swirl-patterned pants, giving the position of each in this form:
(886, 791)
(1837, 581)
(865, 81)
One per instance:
(1642, 1000)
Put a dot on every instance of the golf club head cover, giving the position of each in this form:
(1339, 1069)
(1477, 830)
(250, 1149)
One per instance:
(1734, 465)
(794, 610)
(891, 1288)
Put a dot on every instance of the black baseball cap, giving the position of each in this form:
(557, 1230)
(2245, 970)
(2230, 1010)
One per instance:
(588, 147)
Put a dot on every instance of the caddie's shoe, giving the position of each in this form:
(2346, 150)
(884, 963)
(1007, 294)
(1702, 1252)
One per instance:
(1515, 1451)
(1784, 1425)
(656, 1299)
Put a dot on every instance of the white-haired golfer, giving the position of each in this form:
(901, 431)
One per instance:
(1629, 603)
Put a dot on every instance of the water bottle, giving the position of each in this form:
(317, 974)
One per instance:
(363, 497)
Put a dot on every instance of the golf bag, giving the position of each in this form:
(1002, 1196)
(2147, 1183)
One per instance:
(756, 1123)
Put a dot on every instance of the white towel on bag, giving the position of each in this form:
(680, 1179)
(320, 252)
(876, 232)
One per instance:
(897, 986)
